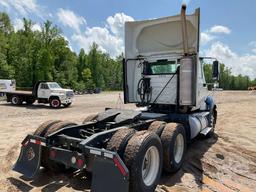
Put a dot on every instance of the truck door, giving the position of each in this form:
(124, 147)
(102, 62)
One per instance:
(43, 91)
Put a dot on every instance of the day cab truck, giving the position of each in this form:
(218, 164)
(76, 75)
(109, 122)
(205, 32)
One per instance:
(43, 92)
(127, 150)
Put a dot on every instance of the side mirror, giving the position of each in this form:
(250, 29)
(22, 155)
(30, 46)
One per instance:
(215, 70)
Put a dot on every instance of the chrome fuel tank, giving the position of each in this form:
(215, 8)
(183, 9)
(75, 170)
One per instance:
(197, 123)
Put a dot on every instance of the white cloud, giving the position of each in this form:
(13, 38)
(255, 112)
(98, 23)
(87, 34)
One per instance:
(206, 38)
(69, 44)
(240, 64)
(18, 24)
(211, 34)
(252, 45)
(116, 23)
(36, 27)
(107, 42)
(22, 7)
(70, 19)
(220, 29)
(109, 38)
(186, 2)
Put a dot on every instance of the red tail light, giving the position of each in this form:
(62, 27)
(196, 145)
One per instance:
(80, 163)
(52, 154)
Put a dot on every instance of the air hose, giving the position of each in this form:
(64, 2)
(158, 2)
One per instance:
(144, 90)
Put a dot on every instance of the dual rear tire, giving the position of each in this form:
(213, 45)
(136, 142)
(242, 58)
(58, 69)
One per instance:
(45, 130)
(142, 153)
(16, 100)
(146, 153)
(144, 158)
(174, 142)
(90, 118)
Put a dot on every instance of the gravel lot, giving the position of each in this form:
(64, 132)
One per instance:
(226, 162)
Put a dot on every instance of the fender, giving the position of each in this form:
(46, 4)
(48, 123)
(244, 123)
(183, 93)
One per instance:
(210, 104)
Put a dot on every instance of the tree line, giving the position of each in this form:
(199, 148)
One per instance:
(29, 56)
(228, 81)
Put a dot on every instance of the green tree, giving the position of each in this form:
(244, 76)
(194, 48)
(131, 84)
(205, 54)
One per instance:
(82, 57)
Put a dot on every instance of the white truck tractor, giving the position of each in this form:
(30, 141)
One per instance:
(126, 150)
(43, 92)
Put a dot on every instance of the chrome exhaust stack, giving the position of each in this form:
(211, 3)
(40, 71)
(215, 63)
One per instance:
(187, 85)
(184, 29)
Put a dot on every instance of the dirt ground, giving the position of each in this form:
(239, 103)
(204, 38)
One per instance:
(224, 163)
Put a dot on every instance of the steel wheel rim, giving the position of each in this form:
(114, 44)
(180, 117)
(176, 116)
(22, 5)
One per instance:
(150, 166)
(55, 103)
(178, 148)
(14, 100)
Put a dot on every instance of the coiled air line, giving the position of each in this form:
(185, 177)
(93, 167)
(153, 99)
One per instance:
(144, 90)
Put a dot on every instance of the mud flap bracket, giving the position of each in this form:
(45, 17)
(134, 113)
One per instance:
(29, 159)
(109, 173)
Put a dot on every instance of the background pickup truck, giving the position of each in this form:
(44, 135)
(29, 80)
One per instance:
(43, 92)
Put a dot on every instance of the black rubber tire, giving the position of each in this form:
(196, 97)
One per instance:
(30, 101)
(58, 126)
(45, 161)
(157, 127)
(42, 129)
(67, 105)
(168, 139)
(119, 140)
(16, 100)
(133, 158)
(52, 103)
(90, 118)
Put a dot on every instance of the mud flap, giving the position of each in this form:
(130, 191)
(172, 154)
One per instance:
(109, 174)
(29, 160)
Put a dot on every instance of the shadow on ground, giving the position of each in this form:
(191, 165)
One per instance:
(34, 106)
(49, 182)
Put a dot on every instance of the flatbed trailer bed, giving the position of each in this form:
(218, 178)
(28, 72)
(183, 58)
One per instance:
(18, 96)
(19, 92)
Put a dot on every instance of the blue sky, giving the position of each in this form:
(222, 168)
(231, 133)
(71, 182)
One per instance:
(228, 29)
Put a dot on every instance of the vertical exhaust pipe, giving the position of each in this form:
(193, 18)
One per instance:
(184, 29)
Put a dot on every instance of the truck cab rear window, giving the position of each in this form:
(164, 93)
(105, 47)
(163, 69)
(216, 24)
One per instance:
(162, 67)
(44, 86)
